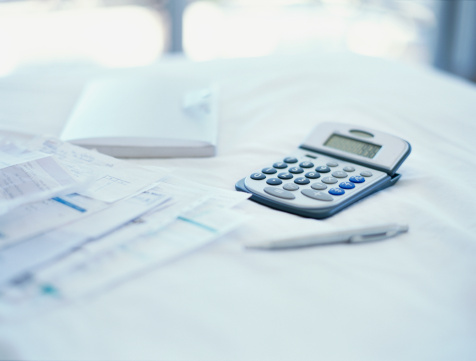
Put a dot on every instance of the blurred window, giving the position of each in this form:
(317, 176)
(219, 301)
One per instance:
(244, 28)
(115, 33)
(124, 33)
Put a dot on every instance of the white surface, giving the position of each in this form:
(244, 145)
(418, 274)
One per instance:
(407, 298)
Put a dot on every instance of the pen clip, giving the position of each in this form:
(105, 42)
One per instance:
(376, 236)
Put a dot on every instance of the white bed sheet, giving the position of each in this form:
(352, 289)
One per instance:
(408, 298)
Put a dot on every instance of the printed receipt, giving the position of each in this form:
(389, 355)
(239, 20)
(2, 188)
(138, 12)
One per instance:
(114, 178)
(193, 217)
(27, 176)
(46, 190)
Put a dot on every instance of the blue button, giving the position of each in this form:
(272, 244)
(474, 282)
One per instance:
(336, 191)
(357, 179)
(312, 175)
(302, 180)
(280, 165)
(274, 181)
(306, 164)
(285, 176)
(296, 170)
(290, 160)
(347, 185)
(258, 176)
(269, 170)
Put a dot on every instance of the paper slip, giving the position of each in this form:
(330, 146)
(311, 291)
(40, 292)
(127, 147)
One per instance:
(194, 217)
(112, 180)
(20, 259)
(82, 274)
(27, 176)
(107, 269)
(36, 218)
(11, 154)
(116, 179)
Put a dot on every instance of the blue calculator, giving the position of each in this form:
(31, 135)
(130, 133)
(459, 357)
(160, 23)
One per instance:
(337, 165)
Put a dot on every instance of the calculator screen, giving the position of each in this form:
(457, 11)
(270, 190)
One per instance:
(350, 145)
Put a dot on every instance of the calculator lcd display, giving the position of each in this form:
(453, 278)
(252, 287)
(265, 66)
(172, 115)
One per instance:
(350, 145)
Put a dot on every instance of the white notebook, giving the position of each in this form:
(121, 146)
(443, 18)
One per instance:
(139, 116)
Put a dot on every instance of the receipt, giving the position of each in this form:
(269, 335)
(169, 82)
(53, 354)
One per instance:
(40, 186)
(115, 179)
(29, 176)
(11, 154)
(190, 219)
(36, 218)
(39, 250)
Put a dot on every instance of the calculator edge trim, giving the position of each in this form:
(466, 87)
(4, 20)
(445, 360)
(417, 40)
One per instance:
(320, 213)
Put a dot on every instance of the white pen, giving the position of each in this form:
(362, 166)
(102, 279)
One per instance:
(355, 235)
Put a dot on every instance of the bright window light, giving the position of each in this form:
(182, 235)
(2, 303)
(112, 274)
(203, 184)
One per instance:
(245, 28)
(119, 36)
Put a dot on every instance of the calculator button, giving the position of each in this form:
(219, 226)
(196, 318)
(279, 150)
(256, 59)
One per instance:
(274, 181)
(312, 175)
(291, 187)
(347, 185)
(306, 164)
(332, 164)
(285, 176)
(318, 186)
(280, 165)
(269, 170)
(321, 196)
(336, 191)
(349, 169)
(329, 180)
(339, 174)
(296, 170)
(278, 192)
(257, 176)
(302, 180)
(366, 173)
(357, 179)
(323, 169)
(290, 160)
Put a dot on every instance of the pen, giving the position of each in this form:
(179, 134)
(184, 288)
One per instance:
(356, 235)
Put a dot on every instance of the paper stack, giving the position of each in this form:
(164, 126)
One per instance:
(121, 220)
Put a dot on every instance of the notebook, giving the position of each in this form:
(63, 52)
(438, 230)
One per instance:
(145, 116)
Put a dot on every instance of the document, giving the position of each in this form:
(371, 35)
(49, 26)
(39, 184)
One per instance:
(104, 180)
(29, 176)
(126, 219)
(12, 154)
(115, 179)
(36, 218)
(172, 117)
(18, 261)
(192, 217)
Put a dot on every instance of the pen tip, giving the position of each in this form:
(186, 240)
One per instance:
(403, 227)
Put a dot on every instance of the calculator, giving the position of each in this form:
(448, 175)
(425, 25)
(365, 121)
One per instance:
(336, 165)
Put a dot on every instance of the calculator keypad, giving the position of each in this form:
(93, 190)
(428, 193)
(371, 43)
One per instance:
(325, 180)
